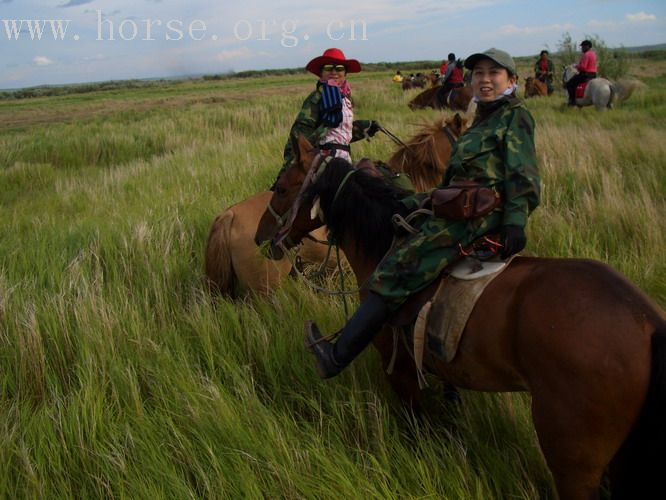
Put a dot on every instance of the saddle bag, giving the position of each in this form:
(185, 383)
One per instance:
(464, 200)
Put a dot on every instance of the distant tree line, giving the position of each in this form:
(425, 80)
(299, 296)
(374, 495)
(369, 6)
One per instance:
(613, 63)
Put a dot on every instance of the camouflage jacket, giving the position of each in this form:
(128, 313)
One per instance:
(498, 151)
(308, 123)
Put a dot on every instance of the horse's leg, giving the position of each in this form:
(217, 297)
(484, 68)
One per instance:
(402, 376)
(586, 360)
(568, 449)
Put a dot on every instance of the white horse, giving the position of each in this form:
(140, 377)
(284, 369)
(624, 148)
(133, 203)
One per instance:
(600, 92)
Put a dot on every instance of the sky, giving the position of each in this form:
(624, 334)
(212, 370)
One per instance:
(48, 42)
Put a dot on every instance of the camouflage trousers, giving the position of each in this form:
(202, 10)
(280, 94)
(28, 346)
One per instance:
(420, 258)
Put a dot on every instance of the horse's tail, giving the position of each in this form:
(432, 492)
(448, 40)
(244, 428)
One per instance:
(645, 450)
(218, 265)
(623, 89)
(612, 96)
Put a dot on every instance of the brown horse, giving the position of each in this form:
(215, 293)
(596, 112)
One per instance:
(433, 78)
(535, 87)
(457, 99)
(233, 264)
(425, 156)
(586, 343)
(412, 82)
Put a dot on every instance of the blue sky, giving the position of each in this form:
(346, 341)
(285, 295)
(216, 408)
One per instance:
(121, 39)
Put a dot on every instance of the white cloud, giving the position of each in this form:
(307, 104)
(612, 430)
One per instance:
(227, 55)
(602, 25)
(512, 29)
(640, 17)
(42, 61)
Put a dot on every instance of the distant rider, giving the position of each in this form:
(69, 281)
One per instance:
(452, 78)
(544, 69)
(587, 70)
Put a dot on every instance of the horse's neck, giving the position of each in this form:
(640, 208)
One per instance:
(361, 265)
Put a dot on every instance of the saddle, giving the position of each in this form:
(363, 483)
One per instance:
(483, 249)
(383, 171)
(440, 312)
(580, 89)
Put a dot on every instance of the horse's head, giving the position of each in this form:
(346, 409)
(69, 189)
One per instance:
(529, 87)
(282, 209)
(568, 72)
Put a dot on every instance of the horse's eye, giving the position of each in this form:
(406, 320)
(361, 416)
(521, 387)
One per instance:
(280, 191)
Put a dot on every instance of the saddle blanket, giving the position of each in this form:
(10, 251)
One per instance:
(580, 90)
(441, 321)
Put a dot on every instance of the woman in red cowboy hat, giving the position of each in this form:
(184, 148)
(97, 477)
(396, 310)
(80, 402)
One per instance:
(326, 118)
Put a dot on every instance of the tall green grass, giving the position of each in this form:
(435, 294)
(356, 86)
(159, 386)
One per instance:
(120, 377)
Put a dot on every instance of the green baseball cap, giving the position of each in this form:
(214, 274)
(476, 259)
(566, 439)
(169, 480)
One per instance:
(499, 56)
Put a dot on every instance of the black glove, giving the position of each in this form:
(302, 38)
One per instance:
(372, 129)
(513, 240)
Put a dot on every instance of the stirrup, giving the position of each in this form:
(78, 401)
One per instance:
(310, 342)
(327, 365)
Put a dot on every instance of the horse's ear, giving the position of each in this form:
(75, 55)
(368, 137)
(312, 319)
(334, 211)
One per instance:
(304, 151)
(295, 150)
(458, 121)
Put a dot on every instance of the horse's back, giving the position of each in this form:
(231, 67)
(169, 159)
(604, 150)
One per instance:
(427, 98)
(564, 312)
(599, 93)
(233, 260)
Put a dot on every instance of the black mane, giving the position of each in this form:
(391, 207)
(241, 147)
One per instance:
(362, 210)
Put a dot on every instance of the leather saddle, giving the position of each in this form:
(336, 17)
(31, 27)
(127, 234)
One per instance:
(482, 249)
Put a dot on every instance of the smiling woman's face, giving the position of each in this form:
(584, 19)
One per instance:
(490, 80)
(336, 72)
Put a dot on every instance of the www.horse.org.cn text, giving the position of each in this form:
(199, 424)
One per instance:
(287, 32)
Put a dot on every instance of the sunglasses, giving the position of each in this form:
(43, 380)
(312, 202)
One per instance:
(333, 67)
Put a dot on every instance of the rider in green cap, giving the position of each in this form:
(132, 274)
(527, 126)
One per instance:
(497, 152)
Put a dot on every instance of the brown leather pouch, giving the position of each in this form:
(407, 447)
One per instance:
(464, 200)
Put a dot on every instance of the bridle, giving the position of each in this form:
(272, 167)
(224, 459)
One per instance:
(286, 220)
(450, 135)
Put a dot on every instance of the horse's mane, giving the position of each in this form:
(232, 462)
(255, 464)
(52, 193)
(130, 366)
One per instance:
(362, 210)
(419, 160)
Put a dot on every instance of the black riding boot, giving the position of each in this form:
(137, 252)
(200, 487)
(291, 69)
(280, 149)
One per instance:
(354, 337)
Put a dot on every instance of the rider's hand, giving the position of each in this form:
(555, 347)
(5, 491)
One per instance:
(372, 129)
(513, 240)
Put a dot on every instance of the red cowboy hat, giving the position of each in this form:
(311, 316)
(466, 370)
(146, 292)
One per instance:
(333, 56)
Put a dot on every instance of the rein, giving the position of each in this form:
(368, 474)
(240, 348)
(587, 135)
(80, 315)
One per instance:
(280, 219)
(450, 135)
(393, 137)
(284, 222)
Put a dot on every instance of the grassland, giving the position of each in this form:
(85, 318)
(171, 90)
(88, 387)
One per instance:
(121, 378)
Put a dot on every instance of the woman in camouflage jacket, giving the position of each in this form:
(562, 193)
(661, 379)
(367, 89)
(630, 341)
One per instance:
(326, 118)
(497, 152)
